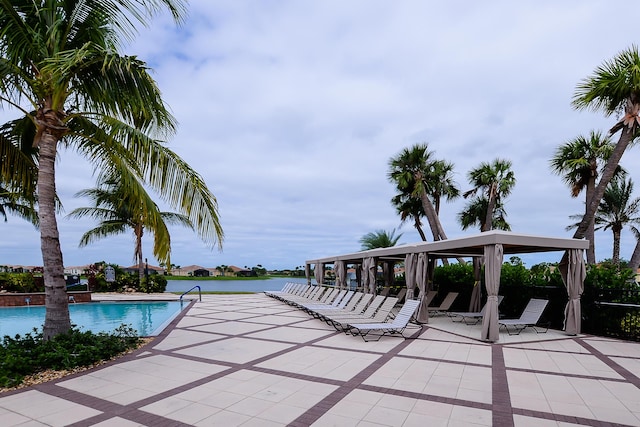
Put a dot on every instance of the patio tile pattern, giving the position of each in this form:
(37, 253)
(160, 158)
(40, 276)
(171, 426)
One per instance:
(249, 360)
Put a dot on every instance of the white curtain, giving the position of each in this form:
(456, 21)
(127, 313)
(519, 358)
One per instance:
(422, 279)
(573, 272)
(492, 265)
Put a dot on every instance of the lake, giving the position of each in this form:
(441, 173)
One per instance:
(274, 284)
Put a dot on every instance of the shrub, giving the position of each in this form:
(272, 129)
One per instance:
(154, 283)
(19, 282)
(21, 356)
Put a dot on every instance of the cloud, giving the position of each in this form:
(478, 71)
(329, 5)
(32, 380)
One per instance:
(290, 111)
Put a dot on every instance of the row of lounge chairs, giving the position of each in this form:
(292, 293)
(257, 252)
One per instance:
(352, 312)
(372, 317)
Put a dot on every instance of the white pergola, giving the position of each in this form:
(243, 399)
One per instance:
(492, 245)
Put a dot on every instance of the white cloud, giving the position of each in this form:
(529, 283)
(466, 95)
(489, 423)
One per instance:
(291, 110)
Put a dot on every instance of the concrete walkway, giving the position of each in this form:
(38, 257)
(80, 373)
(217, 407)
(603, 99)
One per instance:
(253, 361)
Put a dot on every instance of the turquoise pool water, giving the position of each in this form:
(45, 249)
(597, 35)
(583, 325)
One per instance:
(149, 318)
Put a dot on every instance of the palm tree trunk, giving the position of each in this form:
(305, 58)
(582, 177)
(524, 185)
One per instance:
(634, 262)
(420, 230)
(487, 225)
(138, 255)
(432, 218)
(590, 232)
(57, 320)
(607, 174)
(616, 247)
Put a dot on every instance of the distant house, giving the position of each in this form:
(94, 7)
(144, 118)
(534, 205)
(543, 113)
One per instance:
(76, 271)
(190, 270)
(151, 268)
(242, 272)
(201, 272)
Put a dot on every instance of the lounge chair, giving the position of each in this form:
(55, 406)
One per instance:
(475, 317)
(312, 293)
(340, 302)
(333, 301)
(446, 304)
(344, 306)
(529, 317)
(337, 320)
(393, 327)
(381, 315)
(358, 310)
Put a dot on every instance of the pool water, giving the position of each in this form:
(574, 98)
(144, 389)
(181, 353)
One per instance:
(148, 318)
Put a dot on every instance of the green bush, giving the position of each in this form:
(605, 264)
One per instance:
(19, 282)
(155, 283)
(21, 356)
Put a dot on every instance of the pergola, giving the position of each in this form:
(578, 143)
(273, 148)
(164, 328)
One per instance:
(491, 245)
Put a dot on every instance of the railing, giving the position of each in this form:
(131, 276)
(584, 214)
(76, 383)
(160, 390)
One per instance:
(199, 292)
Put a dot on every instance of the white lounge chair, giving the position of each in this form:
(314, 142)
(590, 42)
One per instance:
(529, 317)
(393, 327)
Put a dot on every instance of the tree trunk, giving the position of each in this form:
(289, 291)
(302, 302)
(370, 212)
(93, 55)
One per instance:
(138, 256)
(609, 171)
(590, 232)
(634, 262)
(420, 230)
(57, 320)
(487, 225)
(616, 246)
(432, 218)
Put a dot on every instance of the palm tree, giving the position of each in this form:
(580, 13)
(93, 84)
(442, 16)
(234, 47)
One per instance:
(613, 88)
(579, 162)
(379, 239)
(60, 68)
(475, 213)
(118, 212)
(494, 181)
(412, 173)
(618, 210)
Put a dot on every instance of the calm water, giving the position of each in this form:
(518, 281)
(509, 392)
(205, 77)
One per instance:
(148, 318)
(274, 284)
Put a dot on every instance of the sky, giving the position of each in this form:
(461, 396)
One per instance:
(291, 110)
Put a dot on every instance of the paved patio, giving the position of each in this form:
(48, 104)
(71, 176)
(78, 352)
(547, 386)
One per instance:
(253, 361)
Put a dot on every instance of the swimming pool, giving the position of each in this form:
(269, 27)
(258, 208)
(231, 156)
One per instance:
(149, 318)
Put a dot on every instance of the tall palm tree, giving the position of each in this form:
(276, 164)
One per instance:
(475, 212)
(579, 162)
(412, 173)
(379, 239)
(61, 69)
(613, 88)
(617, 210)
(118, 212)
(494, 181)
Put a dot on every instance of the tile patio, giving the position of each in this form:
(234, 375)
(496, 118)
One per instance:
(249, 360)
